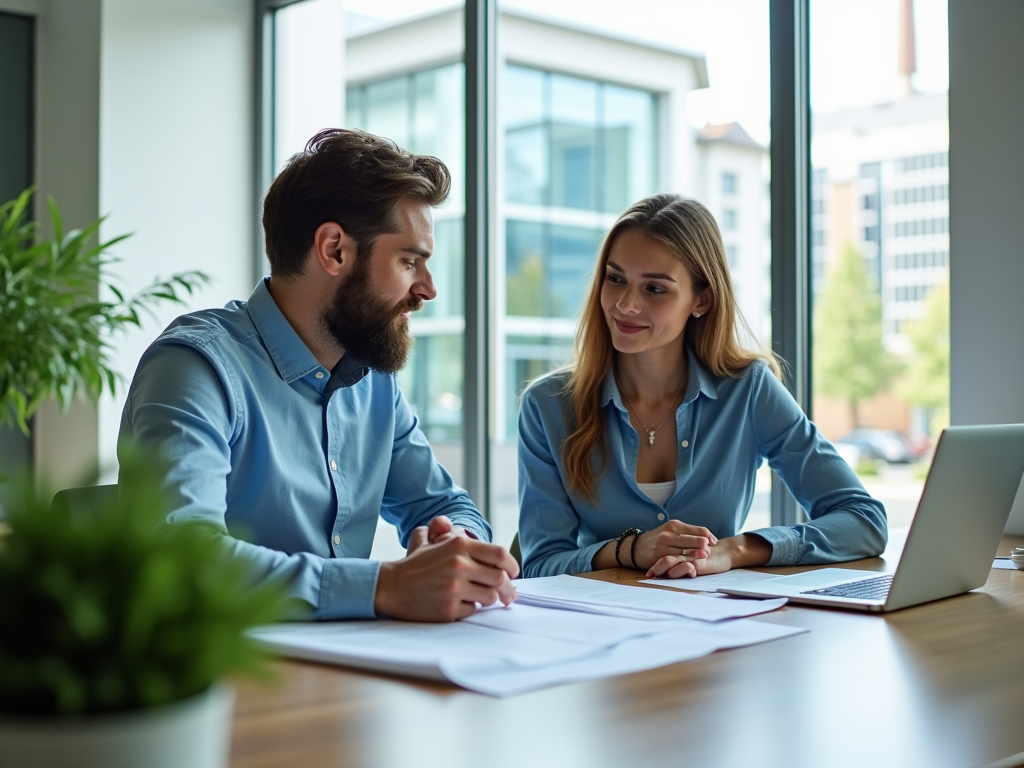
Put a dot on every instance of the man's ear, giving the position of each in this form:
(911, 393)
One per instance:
(334, 252)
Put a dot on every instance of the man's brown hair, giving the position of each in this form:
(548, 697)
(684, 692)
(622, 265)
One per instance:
(348, 177)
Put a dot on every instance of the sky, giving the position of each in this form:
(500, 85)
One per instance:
(853, 46)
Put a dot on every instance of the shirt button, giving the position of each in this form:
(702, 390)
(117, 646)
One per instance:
(337, 539)
(661, 516)
(334, 466)
(319, 374)
(685, 443)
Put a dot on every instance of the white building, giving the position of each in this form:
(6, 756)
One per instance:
(589, 122)
(881, 183)
(734, 187)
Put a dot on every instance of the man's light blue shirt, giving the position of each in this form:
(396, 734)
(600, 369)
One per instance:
(292, 463)
(725, 427)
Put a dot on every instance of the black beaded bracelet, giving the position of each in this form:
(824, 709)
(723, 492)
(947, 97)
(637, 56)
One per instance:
(635, 532)
(632, 549)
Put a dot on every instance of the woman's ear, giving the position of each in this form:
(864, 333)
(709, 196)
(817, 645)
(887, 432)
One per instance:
(706, 301)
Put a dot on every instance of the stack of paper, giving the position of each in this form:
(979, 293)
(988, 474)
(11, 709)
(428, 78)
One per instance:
(561, 629)
(713, 581)
(572, 593)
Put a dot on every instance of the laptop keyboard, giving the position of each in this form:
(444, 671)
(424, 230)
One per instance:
(867, 589)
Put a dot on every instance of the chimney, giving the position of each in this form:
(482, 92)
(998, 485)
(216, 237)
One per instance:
(907, 56)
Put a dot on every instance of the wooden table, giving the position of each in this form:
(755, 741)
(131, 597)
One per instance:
(938, 685)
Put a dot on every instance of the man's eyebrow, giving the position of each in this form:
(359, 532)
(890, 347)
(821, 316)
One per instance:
(650, 275)
(421, 252)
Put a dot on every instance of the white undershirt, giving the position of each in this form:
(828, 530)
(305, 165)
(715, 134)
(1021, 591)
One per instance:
(659, 493)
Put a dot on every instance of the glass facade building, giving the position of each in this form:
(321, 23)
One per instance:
(577, 152)
(424, 112)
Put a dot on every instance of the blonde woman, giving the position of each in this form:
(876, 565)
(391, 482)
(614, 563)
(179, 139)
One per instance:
(643, 452)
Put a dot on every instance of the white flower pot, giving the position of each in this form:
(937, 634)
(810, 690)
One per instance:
(194, 733)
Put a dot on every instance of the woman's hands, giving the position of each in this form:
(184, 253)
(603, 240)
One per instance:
(676, 550)
(728, 553)
(672, 539)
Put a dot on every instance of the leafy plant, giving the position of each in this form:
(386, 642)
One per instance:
(927, 382)
(850, 361)
(109, 608)
(54, 328)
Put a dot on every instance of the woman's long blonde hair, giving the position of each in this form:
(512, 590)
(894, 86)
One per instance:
(689, 230)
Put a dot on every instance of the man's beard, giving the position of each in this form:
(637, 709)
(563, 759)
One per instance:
(367, 326)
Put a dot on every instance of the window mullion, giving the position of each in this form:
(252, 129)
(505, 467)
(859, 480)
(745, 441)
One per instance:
(790, 205)
(480, 20)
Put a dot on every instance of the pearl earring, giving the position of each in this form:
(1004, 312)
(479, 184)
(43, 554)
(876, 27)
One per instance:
(696, 314)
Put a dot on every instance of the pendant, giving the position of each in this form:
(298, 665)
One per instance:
(650, 437)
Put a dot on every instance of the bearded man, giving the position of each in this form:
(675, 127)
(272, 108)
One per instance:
(281, 416)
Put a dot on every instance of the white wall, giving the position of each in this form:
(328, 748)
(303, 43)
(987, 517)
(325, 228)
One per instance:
(986, 121)
(144, 112)
(176, 156)
(67, 167)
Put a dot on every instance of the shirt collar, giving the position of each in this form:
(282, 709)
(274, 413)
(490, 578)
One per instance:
(700, 381)
(348, 372)
(290, 355)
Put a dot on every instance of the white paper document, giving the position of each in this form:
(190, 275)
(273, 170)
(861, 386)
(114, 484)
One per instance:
(412, 648)
(573, 626)
(505, 651)
(572, 593)
(641, 653)
(1003, 564)
(713, 581)
(501, 662)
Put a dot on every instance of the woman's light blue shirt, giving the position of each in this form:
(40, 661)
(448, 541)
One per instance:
(725, 428)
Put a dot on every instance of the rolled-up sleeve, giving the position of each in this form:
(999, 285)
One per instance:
(845, 522)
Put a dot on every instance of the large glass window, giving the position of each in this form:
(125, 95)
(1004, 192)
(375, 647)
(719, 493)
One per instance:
(880, 242)
(393, 69)
(577, 151)
(619, 103)
(423, 112)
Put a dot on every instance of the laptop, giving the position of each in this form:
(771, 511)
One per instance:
(1015, 525)
(966, 501)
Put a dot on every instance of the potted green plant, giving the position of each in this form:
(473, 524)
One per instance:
(117, 630)
(55, 327)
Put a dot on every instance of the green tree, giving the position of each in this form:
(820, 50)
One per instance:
(927, 381)
(850, 361)
(525, 290)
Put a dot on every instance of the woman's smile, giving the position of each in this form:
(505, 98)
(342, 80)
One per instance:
(626, 327)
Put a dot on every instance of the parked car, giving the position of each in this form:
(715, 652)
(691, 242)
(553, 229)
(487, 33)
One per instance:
(886, 444)
(848, 452)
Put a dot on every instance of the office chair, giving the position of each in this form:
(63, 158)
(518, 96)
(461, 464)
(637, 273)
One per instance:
(76, 500)
(516, 552)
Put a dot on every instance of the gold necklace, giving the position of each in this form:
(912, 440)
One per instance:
(650, 432)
